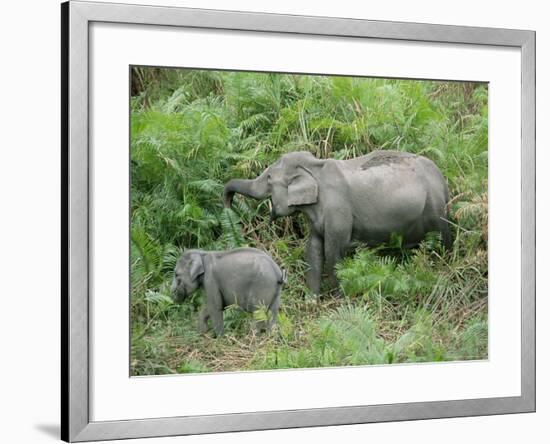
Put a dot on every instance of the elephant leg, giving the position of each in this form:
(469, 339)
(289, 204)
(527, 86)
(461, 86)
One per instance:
(203, 320)
(217, 321)
(274, 309)
(446, 235)
(337, 239)
(314, 257)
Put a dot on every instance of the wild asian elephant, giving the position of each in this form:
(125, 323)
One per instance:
(366, 199)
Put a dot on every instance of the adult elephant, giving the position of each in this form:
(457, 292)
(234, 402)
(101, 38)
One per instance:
(366, 199)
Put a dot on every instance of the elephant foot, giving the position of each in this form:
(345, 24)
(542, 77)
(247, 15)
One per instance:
(336, 293)
(260, 327)
(312, 298)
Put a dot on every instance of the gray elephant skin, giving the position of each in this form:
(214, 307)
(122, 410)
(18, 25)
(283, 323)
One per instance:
(245, 277)
(364, 199)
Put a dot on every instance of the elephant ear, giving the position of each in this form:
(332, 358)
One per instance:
(196, 268)
(303, 188)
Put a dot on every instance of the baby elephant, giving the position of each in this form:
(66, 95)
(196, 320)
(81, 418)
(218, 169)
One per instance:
(245, 277)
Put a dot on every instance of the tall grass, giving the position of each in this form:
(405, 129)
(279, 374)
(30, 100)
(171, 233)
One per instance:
(193, 130)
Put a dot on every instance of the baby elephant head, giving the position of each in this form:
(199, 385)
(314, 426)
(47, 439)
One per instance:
(187, 275)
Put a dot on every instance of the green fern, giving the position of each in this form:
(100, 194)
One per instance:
(231, 230)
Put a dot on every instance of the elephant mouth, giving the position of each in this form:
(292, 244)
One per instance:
(179, 295)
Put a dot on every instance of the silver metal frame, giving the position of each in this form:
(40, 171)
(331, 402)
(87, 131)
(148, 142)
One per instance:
(76, 18)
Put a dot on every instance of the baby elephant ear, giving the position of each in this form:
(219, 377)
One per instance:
(303, 189)
(196, 268)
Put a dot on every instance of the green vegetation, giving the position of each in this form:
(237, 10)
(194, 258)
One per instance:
(192, 130)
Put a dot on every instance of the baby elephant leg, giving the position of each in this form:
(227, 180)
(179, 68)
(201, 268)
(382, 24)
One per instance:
(214, 305)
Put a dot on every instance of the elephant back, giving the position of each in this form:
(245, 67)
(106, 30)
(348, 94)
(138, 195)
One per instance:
(386, 157)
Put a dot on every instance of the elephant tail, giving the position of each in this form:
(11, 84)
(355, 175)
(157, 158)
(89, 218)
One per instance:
(446, 230)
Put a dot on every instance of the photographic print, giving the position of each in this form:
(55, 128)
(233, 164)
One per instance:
(260, 224)
(283, 221)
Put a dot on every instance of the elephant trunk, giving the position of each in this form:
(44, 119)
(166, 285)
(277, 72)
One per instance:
(256, 188)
